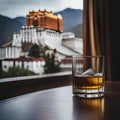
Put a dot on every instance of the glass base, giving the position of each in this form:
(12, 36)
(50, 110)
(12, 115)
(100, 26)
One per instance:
(89, 93)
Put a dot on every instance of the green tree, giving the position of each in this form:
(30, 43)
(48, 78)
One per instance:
(34, 51)
(51, 65)
(16, 72)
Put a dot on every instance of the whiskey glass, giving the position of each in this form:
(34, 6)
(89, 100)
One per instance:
(88, 76)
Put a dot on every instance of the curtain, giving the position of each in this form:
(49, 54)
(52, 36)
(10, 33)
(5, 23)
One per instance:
(96, 31)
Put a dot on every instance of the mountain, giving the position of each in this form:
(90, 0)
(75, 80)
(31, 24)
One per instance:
(71, 17)
(21, 19)
(77, 30)
(7, 27)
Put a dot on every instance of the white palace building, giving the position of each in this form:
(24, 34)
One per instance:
(35, 32)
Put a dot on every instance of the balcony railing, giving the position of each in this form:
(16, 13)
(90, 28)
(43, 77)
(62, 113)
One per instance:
(10, 87)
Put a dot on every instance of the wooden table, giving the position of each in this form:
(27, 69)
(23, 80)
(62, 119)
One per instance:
(58, 104)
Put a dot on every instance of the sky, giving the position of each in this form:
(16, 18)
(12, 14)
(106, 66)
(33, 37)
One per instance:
(15, 8)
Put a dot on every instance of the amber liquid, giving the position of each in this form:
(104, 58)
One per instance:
(88, 83)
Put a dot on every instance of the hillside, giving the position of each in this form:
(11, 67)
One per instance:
(71, 17)
(7, 27)
(77, 30)
(21, 19)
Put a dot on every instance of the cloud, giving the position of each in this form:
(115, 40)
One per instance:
(13, 8)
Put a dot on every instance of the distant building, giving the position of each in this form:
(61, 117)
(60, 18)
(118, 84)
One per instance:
(45, 19)
(35, 65)
(44, 29)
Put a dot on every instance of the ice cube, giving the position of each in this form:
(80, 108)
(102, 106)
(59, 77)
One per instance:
(88, 72)
(85, 75)
(98, 74)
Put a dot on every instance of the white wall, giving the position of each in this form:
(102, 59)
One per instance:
(35, 66)
(10, 52)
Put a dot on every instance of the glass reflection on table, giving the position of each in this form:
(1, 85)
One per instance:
(106, 108)
(88, 109)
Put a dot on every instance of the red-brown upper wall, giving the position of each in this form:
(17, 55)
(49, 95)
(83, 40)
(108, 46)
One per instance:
(45, 19)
